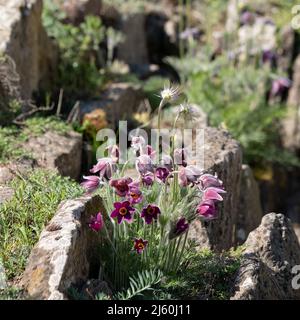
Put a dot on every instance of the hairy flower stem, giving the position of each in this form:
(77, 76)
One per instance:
(181, 252)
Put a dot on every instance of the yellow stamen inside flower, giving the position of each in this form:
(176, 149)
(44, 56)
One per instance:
(123, 211)
(141, 246)
(150, 210)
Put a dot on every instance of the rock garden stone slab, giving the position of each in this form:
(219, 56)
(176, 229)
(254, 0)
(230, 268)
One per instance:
(119, 101)
(56, 151)
(21, 27)
(66, 252)
(271, 251)
(222, 155)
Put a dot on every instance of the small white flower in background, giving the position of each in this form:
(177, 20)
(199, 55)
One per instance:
(170, 93)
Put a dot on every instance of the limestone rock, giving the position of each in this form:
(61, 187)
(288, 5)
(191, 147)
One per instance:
(66, 252)
(287, 36)
(6, 194)
(250, 210)
(272, 250)
(76, 10)
(291, 124)
(56, 151)
(119, 101)
(3, 283)
(10, 170)
(133, 50)
(24, 39)
(222, 155)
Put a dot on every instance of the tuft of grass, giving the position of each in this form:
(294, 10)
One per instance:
(204, 275)
(23, 217)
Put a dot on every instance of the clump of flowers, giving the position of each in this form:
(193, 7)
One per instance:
(148, 216)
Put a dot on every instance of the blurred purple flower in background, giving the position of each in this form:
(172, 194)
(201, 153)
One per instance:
(96, 223)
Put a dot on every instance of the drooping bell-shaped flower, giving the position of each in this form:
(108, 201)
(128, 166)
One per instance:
(144, 164)
(189, 175)
(162, 174)
(114, 153)
(121, 185)
(207, 210)
(91, 183)
(180, 156)
(148, 179)
(209, 180)
(138, 143)
(105, 167)
(213, 194)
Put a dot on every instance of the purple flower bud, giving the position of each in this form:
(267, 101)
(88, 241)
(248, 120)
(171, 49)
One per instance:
(188, 175)
(114, 153)
(91, 183)
(181, 226)
(162, 174)
(207, 210)
(212, 193)
(144, 164)
(105, 168)
(208, 180)
(247, 18)
(279, 86)
(148, 179)
(96, 223)
(180, 156)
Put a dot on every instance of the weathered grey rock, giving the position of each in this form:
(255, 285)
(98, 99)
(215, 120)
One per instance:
(24, 39)
(6, 194)
(56, 151)
(77, 10)
(3, 283)
(287, 39)
(133, 50)
(66, 252)
(10, 170)
(272, 250)
(222, 155)
(119, 101)
(250, 210)
(291, 124)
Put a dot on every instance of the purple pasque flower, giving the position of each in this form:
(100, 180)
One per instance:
(167, 162)
(269, 56)
(134, 194)
(91, 183)
(123, 210)
(144, 164)
(213, 193)
(121, 185)
(279, 85)
(247, 18)
(162, 173)
(140, 245)
(148, 179)
(188, 175)
(190, 33)
(138, 143)
(96, 223)
(207, 209)
(150, 152)
(180, 156)
(181, 226)
(105, 167)
(208, 180)
(150, 212)
(114, 153)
